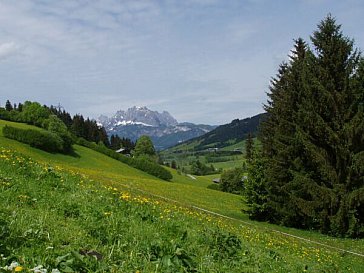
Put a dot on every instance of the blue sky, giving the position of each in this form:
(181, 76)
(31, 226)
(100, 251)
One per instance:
(204, 61)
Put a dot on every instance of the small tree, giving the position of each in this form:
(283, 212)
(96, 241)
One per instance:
(255, 191)
(55, 125)
(144, 147)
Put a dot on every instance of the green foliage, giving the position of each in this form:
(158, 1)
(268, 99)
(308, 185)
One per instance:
(236, 130)
(33, 113)
(231, 180)
(43, 140)
(4, 234)
(150, 167)
(144, 147)
(313, 136)
(88, 129)
(256, 192)
(55, 125)
(222, 136)
(199, 168)
(116, 143)
(224, 245)
(30, 112)
(8, 115)
(8, 106)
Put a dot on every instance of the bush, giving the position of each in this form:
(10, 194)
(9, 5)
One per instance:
(151, 168)
(43, 140)
(231, 180)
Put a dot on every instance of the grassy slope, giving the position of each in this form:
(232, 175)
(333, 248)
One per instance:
(102, 168)
(47, 225)
(112, 172)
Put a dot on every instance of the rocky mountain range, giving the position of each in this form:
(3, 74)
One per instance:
(164, 130)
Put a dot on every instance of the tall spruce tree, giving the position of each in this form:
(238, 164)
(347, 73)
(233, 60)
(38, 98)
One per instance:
(313, 138)
(278, 132)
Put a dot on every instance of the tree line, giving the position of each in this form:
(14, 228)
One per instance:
(36, 114)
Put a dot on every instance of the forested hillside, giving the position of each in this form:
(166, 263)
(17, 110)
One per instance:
(225, 135)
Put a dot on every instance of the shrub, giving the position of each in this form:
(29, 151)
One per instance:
(43, 140)
(12, 115)
(150, 167)
(222, 244)
(231, 180)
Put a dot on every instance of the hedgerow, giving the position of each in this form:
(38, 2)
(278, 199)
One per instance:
(43, 140)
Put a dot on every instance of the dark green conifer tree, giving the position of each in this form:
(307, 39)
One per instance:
(8, 106)
(325, 134)
(313, 137)
(78, 126)
(115, 142)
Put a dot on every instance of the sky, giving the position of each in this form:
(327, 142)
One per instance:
(203, 61)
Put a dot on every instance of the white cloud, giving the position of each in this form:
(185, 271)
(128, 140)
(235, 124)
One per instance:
(202, 60)
(8, 49)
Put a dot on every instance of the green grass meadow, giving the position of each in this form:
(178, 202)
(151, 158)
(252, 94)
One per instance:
(91, 213)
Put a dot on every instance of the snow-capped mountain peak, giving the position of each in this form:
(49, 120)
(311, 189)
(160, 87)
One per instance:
(139, 115)
(161, 127)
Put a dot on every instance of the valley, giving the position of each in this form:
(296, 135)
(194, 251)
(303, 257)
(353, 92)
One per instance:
(183, 203)
(262, 172)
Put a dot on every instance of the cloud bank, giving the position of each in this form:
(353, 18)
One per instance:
(204, 61)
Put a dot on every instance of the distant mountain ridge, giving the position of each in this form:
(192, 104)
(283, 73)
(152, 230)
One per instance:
(163, 128)
(139, 116)
(225, 135)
